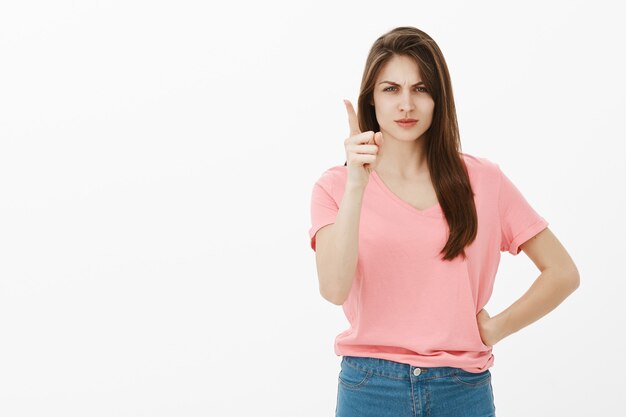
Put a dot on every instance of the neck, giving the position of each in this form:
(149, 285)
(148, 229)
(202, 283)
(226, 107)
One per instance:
(402, 159)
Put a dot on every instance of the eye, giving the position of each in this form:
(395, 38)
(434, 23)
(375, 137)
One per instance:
(424, 89)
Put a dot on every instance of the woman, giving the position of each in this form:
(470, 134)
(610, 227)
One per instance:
(408, 235)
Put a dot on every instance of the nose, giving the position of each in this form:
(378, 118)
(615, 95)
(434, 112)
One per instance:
(406, 104)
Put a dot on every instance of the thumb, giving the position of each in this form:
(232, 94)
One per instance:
(378, 138)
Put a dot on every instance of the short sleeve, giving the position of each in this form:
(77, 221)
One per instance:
(324, 208)
(518, 220)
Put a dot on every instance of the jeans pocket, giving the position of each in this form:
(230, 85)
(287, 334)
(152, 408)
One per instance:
(353, 377)
(471, 378)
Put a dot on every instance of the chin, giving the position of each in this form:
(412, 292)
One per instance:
(409, 134)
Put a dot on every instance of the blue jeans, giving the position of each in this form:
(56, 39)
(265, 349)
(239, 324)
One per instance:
(379, 388)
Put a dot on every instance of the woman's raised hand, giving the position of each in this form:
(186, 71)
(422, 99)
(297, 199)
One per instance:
(361, 150)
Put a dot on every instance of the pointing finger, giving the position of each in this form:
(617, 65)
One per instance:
(353, 121)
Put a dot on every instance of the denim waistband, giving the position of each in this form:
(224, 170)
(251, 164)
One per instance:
(398, 370)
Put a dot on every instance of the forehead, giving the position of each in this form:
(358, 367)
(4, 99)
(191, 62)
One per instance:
(400, 69)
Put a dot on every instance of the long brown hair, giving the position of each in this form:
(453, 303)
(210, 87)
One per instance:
(443, 145)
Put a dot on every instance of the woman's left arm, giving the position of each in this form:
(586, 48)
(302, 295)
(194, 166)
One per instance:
(558, 279)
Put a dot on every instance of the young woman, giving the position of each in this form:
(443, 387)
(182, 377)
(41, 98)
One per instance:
(408, 235)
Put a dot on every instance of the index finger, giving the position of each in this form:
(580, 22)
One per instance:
(353, 121)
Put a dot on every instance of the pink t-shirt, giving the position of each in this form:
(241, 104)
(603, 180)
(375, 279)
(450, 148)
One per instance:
(406, 304)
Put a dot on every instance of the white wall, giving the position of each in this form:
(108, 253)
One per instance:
(156, 165)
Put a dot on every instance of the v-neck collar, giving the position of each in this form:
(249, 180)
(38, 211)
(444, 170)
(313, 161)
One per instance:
(433, 211)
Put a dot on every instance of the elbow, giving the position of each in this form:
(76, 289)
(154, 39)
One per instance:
(338, 301)
(335, 302)
(573, 277)
(333, 297)
(576, 281)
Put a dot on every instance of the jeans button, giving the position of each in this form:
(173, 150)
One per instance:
(417, 371)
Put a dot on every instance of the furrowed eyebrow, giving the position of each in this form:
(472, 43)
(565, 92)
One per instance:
(392, 83)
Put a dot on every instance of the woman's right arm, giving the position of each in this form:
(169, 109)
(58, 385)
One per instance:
(338, 243)
(337, 247)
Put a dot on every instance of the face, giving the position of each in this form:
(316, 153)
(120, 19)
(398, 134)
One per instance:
(396, 96)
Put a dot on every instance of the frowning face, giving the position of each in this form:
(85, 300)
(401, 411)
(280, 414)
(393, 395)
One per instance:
(399, 93)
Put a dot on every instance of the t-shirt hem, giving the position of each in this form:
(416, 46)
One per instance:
(479, 364)
(529, 232)
(315, 229)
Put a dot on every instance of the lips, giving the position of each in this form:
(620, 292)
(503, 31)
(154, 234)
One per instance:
(406, 125)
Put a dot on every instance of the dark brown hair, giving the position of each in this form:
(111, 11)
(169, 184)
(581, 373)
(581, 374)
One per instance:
(443, 145)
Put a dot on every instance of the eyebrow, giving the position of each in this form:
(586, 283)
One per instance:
(392, 83)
